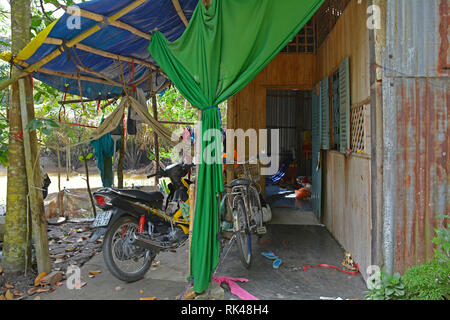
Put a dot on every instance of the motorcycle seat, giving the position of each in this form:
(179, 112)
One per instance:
(141, 195)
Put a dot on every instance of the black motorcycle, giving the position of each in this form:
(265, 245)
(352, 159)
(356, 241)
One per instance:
(137, 225)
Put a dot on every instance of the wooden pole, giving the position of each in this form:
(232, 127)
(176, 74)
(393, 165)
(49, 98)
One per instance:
(34, 179)
(70, 43)
(94, 210)
(60, 194)
(71, 76)
(155, 135)
(121, 158)
(118, 24)
(180, 12)
(191, 220)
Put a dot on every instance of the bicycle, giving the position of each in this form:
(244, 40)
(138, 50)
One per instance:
(243, 199)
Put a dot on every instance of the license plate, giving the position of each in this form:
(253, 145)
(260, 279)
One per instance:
(102, 219)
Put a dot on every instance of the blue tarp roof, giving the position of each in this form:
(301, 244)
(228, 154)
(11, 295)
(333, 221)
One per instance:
(151, 15)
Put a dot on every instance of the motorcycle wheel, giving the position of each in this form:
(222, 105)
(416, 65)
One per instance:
(125, 261)
(244, 238)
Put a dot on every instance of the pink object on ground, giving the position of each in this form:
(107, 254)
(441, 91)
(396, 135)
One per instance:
(235, 289)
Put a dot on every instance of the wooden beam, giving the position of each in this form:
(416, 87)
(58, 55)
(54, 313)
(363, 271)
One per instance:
(87, 78)
(98, 74)
(180, 12)
(71, 43)
(118, 24)
(156, 138)
(106, 54)
(177, 123)
(70, 76)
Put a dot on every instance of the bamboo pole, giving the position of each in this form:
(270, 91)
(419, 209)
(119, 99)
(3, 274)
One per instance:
(180, 12)
(155, 135)
(191, 220)
(100, 75)
(35, 195)
(68, 75)
(106, 54)
(118, 24)
(177, 122)
(70, 43)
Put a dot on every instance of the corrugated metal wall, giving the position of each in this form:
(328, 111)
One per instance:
(416, 102)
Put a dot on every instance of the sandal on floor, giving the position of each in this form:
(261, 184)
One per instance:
(277, 263)
(269, 255)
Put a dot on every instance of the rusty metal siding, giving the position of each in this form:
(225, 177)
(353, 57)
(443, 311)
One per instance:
(416, 102)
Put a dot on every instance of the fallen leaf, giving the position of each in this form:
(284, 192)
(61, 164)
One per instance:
(307, 279)
(148, 298)
(38, 279)
(58, 284)
(51, 289)
(141, 291)
(17, 293)
(118, 288)
(2, 297)
(91, 276)
(9, 286)
(93, 272)
(9, 295)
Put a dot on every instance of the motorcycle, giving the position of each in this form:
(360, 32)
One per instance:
(137, 225)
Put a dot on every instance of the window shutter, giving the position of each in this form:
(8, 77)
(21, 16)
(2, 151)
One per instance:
(344, 105)
(325, 110)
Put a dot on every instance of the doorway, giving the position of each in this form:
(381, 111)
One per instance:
(290, 112)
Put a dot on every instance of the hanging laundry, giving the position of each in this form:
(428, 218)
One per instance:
(104, 149)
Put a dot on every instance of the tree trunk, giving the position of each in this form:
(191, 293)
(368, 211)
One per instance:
(17, 240)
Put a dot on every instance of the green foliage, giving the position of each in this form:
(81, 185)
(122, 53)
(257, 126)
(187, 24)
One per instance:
(4, 131)
(45, 126)
(430, 281)
(442, 240)
(390, 287)
(89, 156)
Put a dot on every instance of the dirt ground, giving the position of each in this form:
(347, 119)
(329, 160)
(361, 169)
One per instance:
(68, 245)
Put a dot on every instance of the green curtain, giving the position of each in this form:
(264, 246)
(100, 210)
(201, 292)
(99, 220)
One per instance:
(222, 50)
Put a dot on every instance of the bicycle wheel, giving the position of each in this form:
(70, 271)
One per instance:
(243, 233)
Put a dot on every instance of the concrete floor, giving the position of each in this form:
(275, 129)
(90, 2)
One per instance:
(294, 235)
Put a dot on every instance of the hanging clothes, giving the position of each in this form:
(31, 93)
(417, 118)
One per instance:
(104, 149)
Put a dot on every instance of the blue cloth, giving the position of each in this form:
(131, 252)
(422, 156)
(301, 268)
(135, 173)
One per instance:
(104, 151)
(159, 14)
